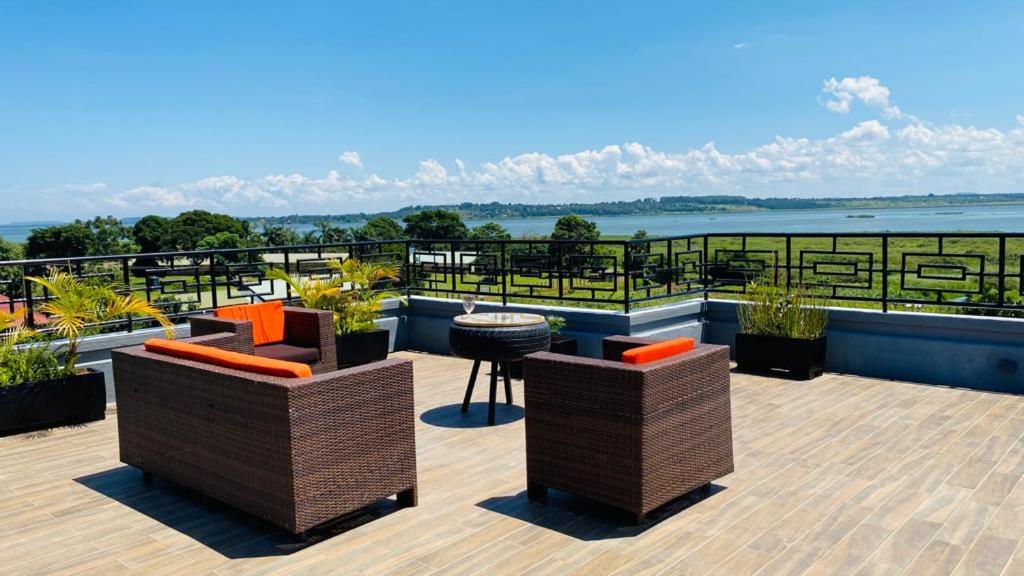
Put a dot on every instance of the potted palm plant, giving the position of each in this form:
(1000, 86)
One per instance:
(359, 339)
(781, 329)
(560, 344)
(354, 294)
(40, 384)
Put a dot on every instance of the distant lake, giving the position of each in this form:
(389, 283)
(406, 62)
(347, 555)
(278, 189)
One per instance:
(1005, 218)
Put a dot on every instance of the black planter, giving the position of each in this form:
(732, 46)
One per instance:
(361, 348)
(49, 403)
(803, 359)
(559, 345)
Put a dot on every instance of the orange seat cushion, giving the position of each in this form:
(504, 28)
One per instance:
(228, 359)
(657, 351)
(267, 320)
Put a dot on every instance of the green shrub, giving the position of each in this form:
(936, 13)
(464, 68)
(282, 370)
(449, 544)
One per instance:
(772, 310)
(24, 357)
(556, 323)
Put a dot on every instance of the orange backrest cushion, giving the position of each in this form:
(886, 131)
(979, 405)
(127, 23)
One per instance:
(228, 359)
(267, 320)
(657, 351)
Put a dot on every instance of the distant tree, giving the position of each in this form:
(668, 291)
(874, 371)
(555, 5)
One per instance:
(188, 229)
(573, 227)
(490, 231)
(435, 225)
(225, 241)
(640, 234)
(151, 233)
(62, 241)
(10, 250)
(280, 236)
(310, 237)
(10, 276)
(110, 236)
(327, 233)
(380, 228)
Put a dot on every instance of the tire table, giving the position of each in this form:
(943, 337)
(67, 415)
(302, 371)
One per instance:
(497, 338)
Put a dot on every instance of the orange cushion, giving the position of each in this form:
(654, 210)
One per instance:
(657, 351)
(228, 359)
(267, 320)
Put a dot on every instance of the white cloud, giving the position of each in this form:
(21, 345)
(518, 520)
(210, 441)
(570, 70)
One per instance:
(94, 187)
(351, 158)
(869, 130)
(896, 153)
(740, 45)
(869, 91)
(153, 197)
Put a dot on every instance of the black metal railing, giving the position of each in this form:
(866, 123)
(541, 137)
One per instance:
(979, 273)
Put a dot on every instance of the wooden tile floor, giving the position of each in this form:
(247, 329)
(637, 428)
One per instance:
(841, 475)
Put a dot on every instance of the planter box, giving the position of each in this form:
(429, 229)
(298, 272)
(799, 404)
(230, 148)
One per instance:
(49, 403)
(361, 348)
(803, 359)
(559, 345)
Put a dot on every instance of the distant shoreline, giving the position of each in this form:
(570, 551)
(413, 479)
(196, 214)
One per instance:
(343, 218)
(848, 204)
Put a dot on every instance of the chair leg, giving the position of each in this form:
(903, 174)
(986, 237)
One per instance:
(410, 497)
(536, 492)
(494, 394)
(469, 387)
(508, 383)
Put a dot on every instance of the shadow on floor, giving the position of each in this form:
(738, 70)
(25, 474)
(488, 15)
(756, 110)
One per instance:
(450, 416)
(585, 519)
(228, 531)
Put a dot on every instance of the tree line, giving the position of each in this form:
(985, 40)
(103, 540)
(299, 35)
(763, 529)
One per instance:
(202, 230)
(664, 205)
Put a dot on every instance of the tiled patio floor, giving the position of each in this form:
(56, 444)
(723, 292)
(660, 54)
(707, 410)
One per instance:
(841, 475)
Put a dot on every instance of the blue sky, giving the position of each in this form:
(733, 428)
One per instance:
(331, 107)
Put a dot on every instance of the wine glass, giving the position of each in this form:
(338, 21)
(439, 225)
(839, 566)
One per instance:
(468, 303)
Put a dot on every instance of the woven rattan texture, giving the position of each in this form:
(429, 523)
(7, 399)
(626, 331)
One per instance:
(295, 452)
(303, 327)
(632, 436)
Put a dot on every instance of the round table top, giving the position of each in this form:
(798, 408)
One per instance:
(499, 319)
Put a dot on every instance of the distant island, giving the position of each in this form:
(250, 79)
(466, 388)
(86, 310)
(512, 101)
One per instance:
(663, 205)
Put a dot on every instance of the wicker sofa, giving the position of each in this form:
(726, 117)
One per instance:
(631, 436)
(310, 337)
(297, 452)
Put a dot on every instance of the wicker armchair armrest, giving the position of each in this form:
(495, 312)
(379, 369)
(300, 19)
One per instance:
(313, 329)
(223, 340)
(612, 347)
(206, 325)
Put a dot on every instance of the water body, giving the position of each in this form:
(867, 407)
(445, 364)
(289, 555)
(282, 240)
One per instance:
(1006, 218)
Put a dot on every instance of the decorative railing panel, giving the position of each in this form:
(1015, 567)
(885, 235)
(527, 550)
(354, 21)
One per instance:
(978, 273)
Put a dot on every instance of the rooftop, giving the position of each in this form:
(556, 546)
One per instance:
(841, 475)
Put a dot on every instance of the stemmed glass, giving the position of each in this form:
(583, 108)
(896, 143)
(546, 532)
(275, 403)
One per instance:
(468, 303)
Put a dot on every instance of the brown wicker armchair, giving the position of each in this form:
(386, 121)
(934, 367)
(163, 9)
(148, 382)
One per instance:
(631, 436)
(297, 452)
(309, 337)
